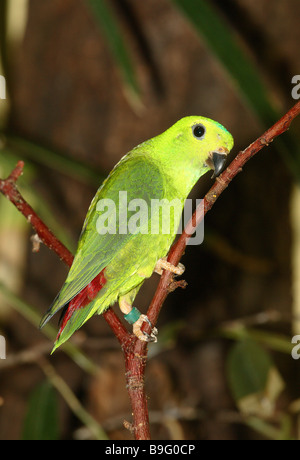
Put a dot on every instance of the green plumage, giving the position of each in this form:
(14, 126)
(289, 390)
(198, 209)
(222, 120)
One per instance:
(165, 167)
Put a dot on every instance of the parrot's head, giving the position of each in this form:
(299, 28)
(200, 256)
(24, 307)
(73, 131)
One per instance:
(188, 149)
(203, 143)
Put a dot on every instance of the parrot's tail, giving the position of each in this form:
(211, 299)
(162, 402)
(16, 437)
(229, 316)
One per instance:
(81, 300)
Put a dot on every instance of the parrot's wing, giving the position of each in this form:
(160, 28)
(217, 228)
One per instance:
(134, 178)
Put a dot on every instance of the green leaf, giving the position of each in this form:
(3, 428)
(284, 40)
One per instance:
(253, 379)
(248, 367)
(273, 340)
(221, 40)
(113, 34)
(242, 70)
(21, 148)
(41, 420)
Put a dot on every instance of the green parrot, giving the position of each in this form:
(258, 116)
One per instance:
(119, 247)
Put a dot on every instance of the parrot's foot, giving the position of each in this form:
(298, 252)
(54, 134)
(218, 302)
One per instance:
(144, 336)
(163, 264)
(134, 317)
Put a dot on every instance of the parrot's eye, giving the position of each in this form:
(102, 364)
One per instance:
(199, 131)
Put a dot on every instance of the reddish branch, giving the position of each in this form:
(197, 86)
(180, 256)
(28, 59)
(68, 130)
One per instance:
(135, 351)
(221, 183)
(9, 189)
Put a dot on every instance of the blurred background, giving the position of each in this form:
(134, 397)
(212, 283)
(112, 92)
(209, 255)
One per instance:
(87, 80)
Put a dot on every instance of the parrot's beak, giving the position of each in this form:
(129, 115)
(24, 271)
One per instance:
(217, 160)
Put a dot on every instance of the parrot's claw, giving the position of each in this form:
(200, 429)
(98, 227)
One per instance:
(144, 336)
(163, 264)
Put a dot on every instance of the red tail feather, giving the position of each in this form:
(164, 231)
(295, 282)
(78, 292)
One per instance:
(83, 298)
